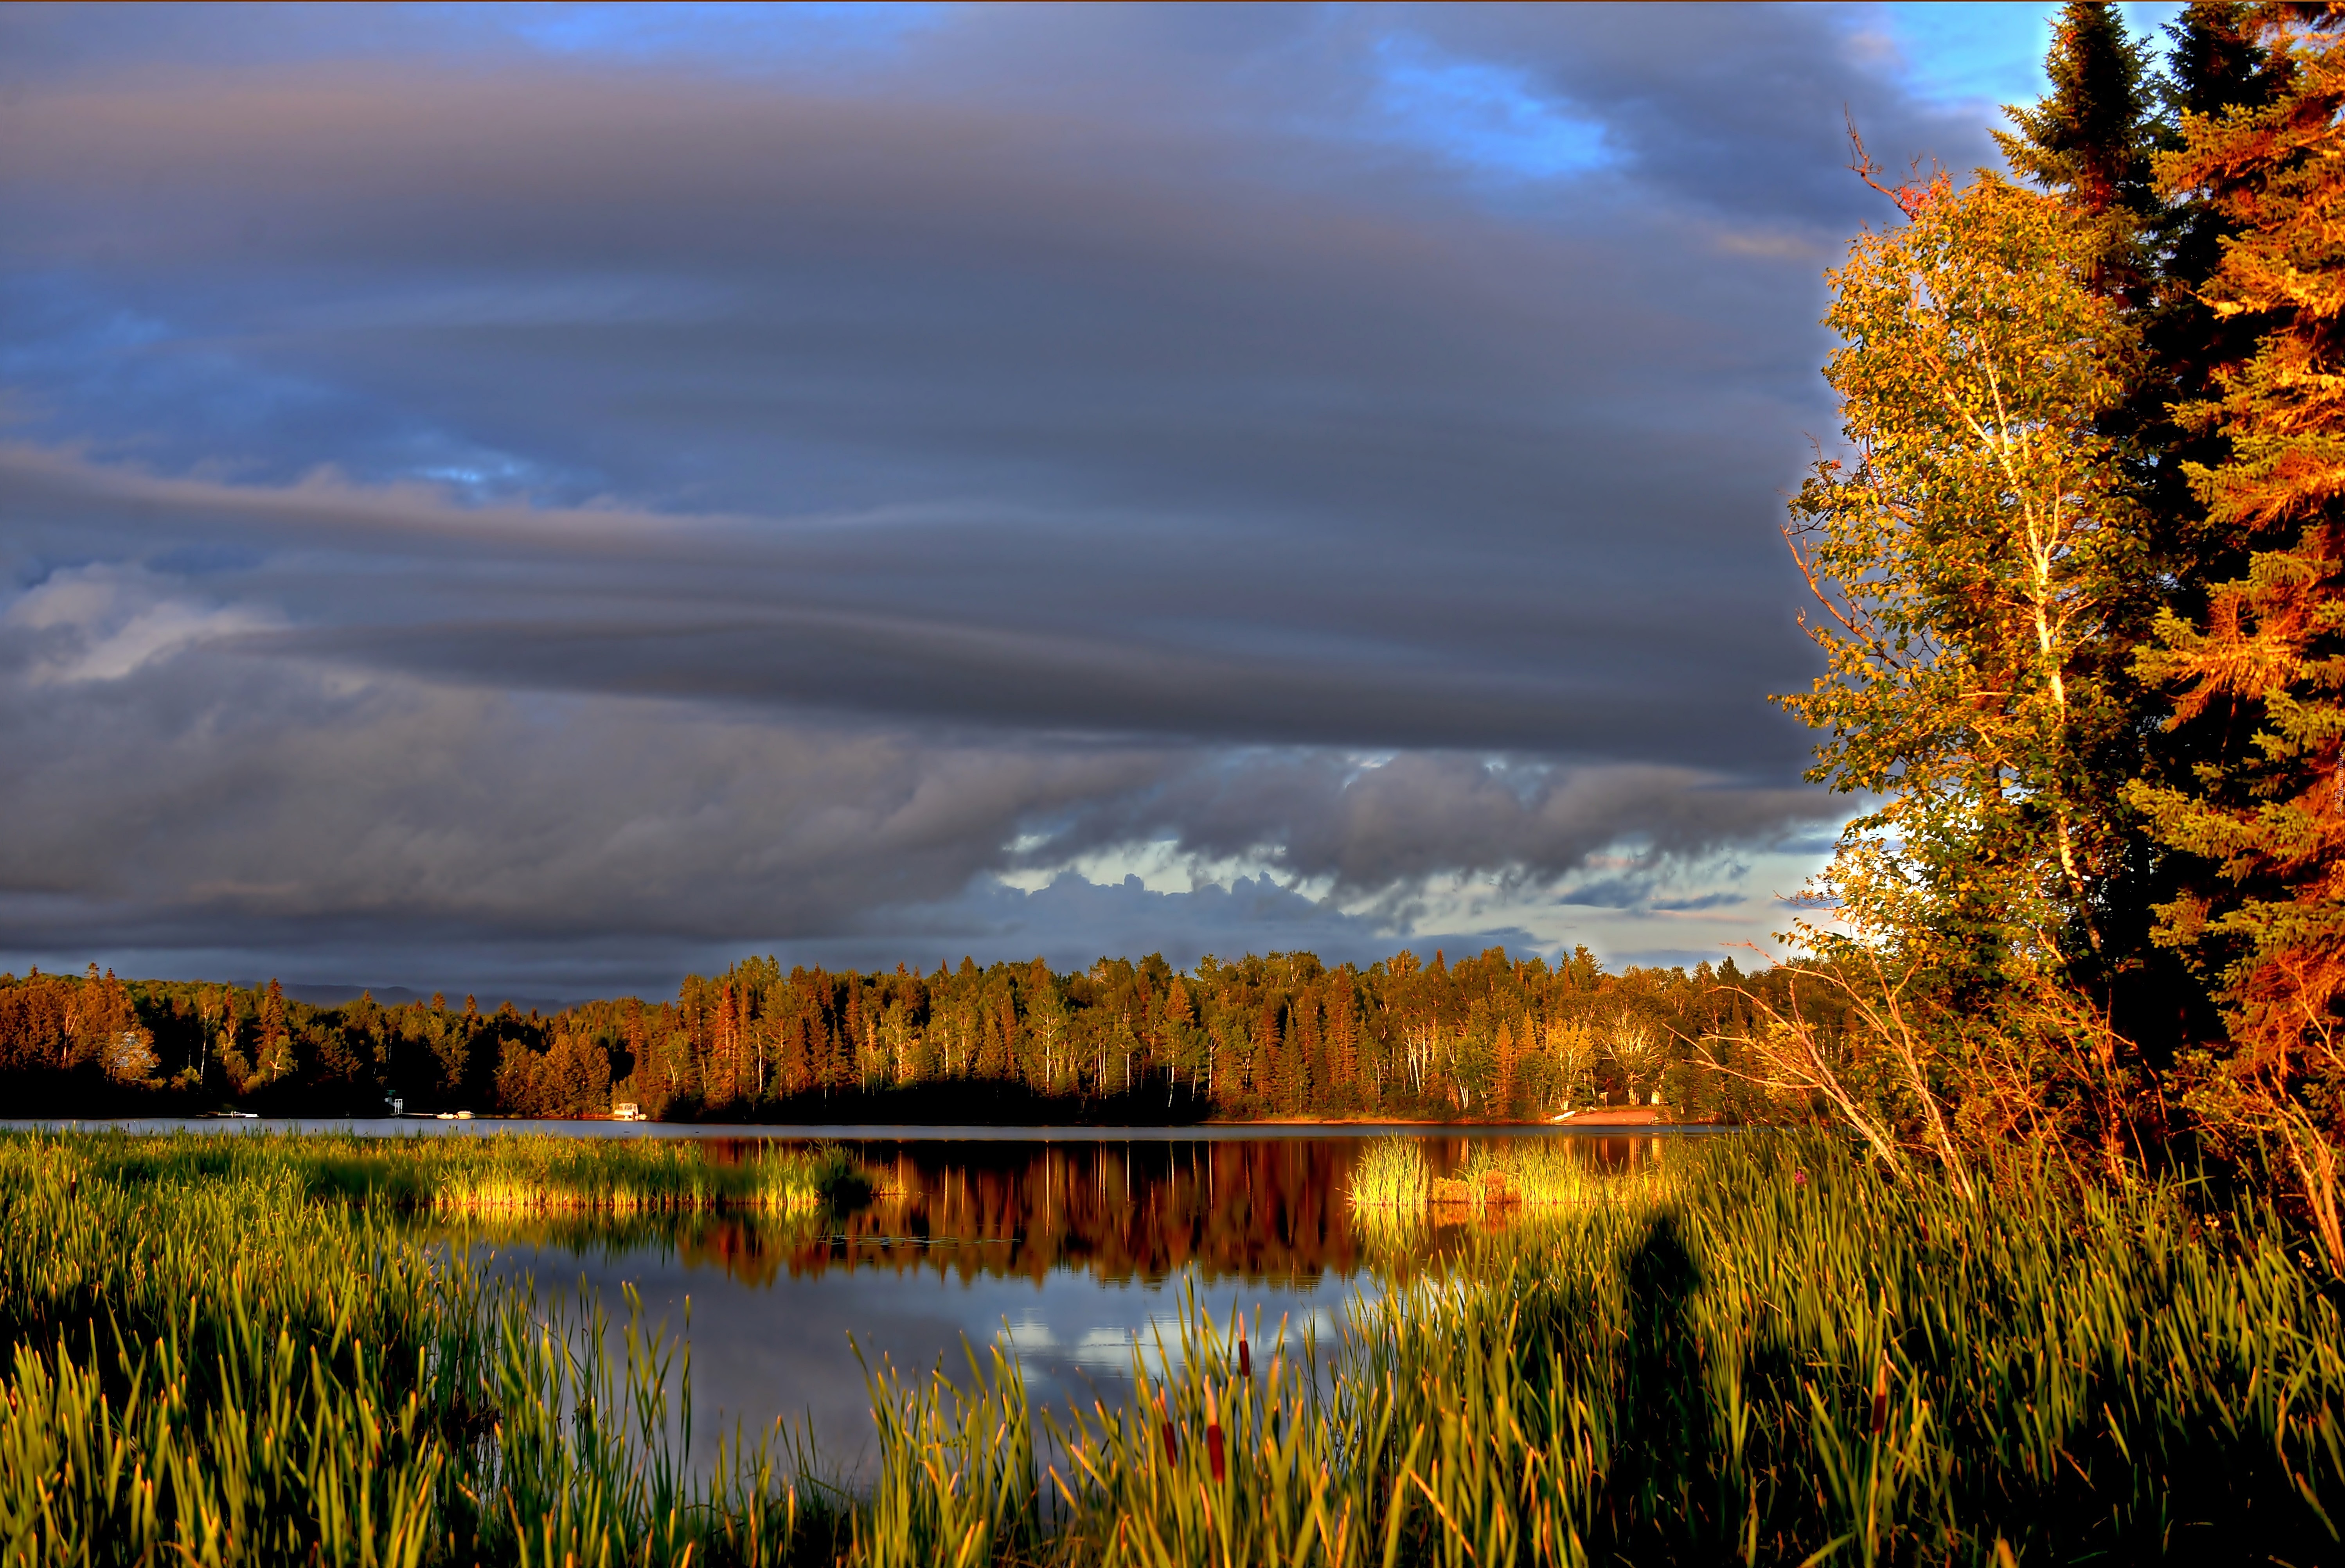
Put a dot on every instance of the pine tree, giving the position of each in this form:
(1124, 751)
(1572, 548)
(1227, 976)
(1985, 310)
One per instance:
(993, 1060)
(2089, 145)
(276, 1046)
(1270, 1042)
(1344, 1063)
(1226, 1068)
(2213, 66)
(2089, 141)
(795, 1072)
(2265, 660)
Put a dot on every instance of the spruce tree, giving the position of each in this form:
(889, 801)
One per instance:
(2213, 65)
(275, 1057)
(2264, 662)
(2090, 141)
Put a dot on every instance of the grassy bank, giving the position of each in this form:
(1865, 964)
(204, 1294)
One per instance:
(508, 1172)
(231, 1350)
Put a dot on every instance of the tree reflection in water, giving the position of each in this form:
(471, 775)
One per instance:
(1118, 1213)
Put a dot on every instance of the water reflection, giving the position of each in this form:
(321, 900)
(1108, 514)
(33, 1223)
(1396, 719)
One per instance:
(1115, 1213)
(1118, 1213)
(1068, 1253)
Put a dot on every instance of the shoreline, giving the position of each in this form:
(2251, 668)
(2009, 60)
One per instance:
(1636, 1122)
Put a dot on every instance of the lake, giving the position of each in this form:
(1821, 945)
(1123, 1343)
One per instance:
(1063, 1246)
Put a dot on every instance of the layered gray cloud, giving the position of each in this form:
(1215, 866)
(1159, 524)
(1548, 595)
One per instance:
(585, 491)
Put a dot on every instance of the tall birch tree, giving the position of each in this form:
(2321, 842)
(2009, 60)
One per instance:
(1968, 557)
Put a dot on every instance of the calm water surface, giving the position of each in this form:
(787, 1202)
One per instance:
(1063, 1246)
(1065, 1253)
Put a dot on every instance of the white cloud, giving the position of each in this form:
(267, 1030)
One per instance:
(104, 622)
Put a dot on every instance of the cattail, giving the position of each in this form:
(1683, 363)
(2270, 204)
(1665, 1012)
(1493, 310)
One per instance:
(1881, 1398)
(1213, 1435)
(1245, 1358)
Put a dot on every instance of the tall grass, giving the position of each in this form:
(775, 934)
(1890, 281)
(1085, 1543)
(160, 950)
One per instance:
(508, 1172)
(1783, 1362)
(1548, 1171)
(958, 1485)
(1779, 1356)
(220, 1371)
(211, 1359)
(1391, 1174)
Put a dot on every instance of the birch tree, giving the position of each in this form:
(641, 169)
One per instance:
(1571, 1056)
(1971, 558)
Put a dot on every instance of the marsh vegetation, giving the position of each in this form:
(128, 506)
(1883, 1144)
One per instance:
(1753, 1350)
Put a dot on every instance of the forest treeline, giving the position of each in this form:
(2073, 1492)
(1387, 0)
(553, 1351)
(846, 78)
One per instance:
(1487, 1038)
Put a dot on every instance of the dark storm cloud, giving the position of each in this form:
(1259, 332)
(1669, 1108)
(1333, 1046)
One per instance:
(472, 496)
(168, 792)
(972, 622)
(1733, 110)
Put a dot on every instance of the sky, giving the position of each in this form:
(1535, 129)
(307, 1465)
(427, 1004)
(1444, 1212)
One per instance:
(543, 498)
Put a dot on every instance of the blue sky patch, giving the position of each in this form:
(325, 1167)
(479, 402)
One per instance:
(1489, 116)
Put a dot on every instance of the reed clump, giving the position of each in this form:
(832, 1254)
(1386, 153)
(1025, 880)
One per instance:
(1392, 1173)
(1545, 1172)
(1499, 1174)
(545, 1172)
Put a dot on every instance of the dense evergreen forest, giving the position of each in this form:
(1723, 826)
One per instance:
(1489, 1037)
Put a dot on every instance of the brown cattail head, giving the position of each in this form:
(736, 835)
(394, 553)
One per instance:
(1245, 1358)
(1213, 1449)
